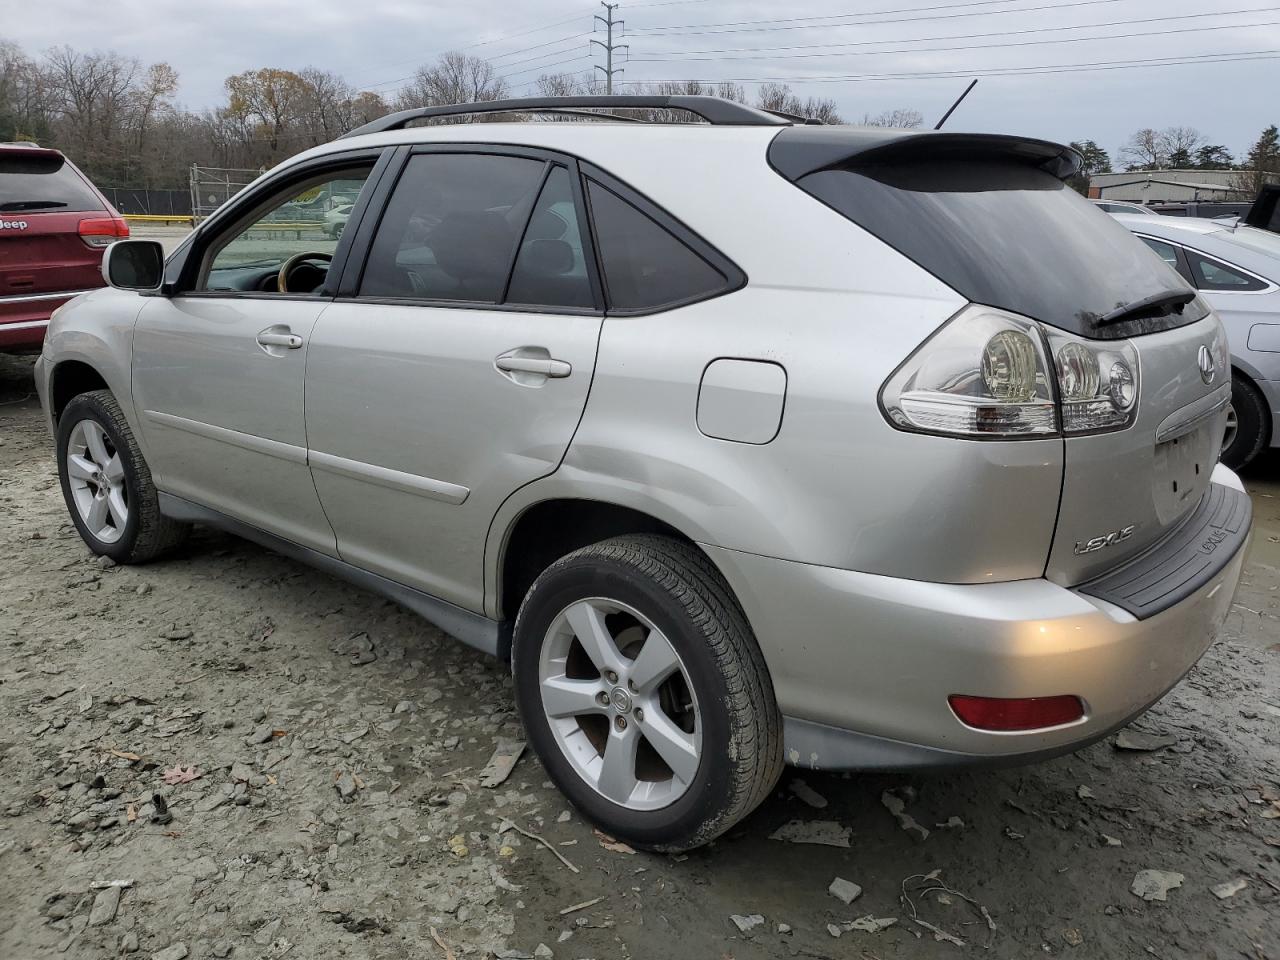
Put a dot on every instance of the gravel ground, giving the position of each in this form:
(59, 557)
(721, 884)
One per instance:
(337, 742)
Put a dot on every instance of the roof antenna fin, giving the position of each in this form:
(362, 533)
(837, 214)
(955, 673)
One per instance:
(973, 83)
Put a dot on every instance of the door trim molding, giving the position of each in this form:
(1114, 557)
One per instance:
(386, 477)
(475, 630)
(246, 441)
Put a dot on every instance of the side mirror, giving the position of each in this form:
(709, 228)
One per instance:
(134, 265)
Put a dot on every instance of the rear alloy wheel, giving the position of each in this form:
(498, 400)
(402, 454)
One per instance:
(644, 693)
(107, 485)
(1247, 430)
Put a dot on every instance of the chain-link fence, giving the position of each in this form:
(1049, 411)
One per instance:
(211, 187)
(137, 200)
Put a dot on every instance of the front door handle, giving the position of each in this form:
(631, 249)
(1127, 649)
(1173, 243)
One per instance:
(541, 366)
(290, 340)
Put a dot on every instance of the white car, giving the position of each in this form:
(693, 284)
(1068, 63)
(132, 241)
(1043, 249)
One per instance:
(1237, 270)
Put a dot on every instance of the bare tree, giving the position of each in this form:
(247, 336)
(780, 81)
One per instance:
(454, 78)
(780, 98)
(897, 117)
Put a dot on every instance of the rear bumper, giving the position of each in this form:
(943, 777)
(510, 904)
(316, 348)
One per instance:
(862, 665)
(25, 317)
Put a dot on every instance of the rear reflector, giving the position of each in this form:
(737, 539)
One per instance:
(103, 231)
(1024, 713)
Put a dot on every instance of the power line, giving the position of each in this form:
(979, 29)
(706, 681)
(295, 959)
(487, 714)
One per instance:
(972, 46)
(545, 66)
(1189, 59)
(481, 43)
(975, 36)
(689, 32)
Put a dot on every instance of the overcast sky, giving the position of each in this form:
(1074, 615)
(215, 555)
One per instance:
(378, 43)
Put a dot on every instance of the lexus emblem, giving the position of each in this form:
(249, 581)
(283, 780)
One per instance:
(1204, 360)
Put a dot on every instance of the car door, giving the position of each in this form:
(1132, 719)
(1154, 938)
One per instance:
(218, 363)
(457, 368)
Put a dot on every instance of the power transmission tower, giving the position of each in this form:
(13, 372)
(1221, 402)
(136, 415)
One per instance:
(609, 23)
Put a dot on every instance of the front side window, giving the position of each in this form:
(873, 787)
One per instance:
(1216, 275)
(644, 265)
(298, 229)
(451, 228)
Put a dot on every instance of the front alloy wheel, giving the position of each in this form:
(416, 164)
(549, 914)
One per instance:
(95, 474)
(107, 484)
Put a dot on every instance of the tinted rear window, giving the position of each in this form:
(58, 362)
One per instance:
(645, 267)
(1009, 236)
(42, 183)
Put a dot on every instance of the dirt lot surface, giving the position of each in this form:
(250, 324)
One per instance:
(336, 810)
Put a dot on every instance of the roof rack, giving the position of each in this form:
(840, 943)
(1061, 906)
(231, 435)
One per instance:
(714, 110)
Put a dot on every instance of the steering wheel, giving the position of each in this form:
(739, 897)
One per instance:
(286, 268)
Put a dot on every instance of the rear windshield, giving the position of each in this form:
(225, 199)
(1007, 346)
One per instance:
(1008, 236)
(42, 183)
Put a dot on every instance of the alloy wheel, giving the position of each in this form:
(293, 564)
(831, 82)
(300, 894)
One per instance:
(95, 474)
(620, 704)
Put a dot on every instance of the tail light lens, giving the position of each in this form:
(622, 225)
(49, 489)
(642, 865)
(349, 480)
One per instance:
(1005, 715)
(1097, 382)
(988, 373)
(103, 231)
(983, 374)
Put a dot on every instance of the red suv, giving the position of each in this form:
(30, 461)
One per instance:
(54, 225)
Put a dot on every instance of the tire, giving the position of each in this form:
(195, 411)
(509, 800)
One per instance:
(1252, 424)
(122, 485)
(639, 588)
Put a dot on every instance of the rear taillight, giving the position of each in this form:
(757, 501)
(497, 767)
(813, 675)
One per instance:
(103, 231)
(1006, 715)
(989, 373)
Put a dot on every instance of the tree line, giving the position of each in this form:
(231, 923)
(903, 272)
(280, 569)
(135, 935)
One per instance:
(119, 118)
(1186, 148)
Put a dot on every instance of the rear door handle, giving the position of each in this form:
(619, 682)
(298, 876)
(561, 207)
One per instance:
(542, 366)
(290, 340)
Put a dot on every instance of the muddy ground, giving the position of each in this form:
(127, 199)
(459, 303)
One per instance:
(337, 811)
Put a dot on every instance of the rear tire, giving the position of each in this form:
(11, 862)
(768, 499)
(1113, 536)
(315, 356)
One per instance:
(705, 743)
(107, 485)
(1252, 425)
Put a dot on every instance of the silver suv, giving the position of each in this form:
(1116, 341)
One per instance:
(747, 441)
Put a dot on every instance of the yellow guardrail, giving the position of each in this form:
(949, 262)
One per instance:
(157, 218)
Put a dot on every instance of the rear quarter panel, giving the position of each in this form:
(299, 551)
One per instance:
(838, 486)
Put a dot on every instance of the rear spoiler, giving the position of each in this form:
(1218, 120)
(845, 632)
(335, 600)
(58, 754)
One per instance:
(1265, 212)
(798, 151)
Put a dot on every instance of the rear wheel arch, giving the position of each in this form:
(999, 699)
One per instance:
(549, 529)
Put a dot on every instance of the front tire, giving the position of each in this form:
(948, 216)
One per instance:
(107, 485)
(1248, 429)
(644, 693)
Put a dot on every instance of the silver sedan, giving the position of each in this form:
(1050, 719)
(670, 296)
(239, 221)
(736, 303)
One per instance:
(1237, 270)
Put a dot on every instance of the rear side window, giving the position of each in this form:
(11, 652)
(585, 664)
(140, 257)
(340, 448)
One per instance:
(644, 265)
(42, 183)
(551, 269)
(1007, 235)
(1215, 275)
(1165, 251)
(451, 228)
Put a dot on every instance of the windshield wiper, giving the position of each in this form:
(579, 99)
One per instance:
(1156, 305)
(31, 205)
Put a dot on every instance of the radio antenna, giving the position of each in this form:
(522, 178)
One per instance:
(973, 83)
